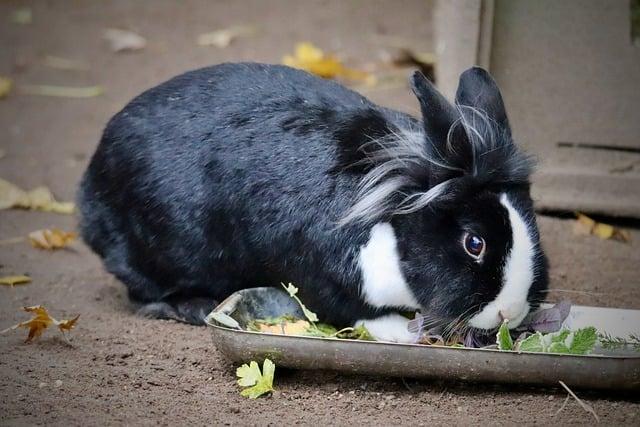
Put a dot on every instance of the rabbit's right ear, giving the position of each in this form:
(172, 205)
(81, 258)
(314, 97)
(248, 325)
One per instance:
(437, 113)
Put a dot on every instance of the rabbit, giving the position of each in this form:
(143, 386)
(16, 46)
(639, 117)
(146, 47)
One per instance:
(241, 175)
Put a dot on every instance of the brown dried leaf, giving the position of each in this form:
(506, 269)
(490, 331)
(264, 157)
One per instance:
(40, 198)
(424, 61)
(41, 321)
(14, 280)
(51, 239)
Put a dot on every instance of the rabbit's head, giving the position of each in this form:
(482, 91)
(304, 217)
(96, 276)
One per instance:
(451, 196)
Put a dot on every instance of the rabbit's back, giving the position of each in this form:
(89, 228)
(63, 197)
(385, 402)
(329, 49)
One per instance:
(228, 171)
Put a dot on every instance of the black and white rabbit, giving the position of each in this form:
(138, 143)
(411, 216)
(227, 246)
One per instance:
(244, 175)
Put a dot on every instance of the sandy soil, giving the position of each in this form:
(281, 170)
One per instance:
(124, 369)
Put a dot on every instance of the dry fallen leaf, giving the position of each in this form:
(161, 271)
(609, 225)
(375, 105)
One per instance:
(223, 38)
(40, 198)
(124, 40)
(62, 91)
(424, 61)
(60, 63)
(22, 16)
(51, 239)
(14, 280)
(298, 327)
(312, 59)
(12, 240)
(5, 86)
(41, 321)
(585, 226)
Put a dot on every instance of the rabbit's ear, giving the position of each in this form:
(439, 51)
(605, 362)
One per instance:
(437, 113)
(478, 90)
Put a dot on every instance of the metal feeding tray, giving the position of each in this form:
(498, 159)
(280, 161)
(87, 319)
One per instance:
(619, 370)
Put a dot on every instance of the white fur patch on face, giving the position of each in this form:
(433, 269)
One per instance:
(383, 283)
(391, 328)
(517, 278)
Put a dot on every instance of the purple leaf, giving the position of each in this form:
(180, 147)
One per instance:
(549, 319)
(565, 308)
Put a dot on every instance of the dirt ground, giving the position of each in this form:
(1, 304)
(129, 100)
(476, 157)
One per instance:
(124, 369)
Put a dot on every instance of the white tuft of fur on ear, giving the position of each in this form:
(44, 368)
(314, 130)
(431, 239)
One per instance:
(517, 277)
(383, 284)
(391, 328)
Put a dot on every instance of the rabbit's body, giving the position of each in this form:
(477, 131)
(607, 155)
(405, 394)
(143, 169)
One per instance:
(237, 176)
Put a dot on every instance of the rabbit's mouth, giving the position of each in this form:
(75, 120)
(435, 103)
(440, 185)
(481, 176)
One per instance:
(494, 314)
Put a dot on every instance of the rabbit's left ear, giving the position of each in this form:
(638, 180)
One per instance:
(477, 89)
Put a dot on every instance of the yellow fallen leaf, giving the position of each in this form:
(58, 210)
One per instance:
(312, 59)
(41, 321)
(603, 231)
(62, 91)
(67, 324)
(51, 239)
(585, 226)
(299, 327)
(223, 38)
(14, 280)
(40, 198)
(5, 86)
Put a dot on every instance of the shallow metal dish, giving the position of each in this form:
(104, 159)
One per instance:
(614, 370)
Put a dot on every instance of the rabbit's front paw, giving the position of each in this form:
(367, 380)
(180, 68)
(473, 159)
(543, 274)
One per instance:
(391, 328)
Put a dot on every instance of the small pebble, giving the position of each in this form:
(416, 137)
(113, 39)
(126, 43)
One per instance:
(58, 383)
(42, 385)
(550, 398)
(380, 405)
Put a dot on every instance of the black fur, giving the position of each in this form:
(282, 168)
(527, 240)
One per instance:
(235, 176)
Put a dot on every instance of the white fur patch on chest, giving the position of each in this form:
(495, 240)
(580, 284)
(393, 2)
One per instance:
(383, 283)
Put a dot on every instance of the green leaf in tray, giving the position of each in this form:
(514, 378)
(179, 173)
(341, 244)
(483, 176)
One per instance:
(504, 337)
(584, 340)
(292, 291)
(578, 342)
(534, 343)
(559, 347)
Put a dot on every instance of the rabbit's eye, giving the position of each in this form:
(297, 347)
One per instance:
(474, 245)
